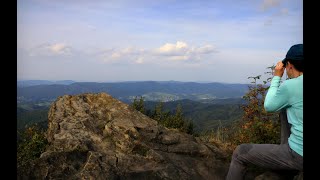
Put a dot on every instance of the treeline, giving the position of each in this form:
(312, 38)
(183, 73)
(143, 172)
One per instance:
(26, 118)
(205, 116)
(164, 117)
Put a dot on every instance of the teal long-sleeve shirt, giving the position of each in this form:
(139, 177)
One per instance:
(288, 95)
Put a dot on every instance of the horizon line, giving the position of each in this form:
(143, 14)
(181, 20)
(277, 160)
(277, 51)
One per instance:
(124, 81)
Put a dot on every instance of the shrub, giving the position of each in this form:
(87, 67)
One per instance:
(165, 118)
(31, 143)
(257, 125)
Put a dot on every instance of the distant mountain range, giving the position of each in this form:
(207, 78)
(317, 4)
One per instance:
(30, 91)
(27, 83)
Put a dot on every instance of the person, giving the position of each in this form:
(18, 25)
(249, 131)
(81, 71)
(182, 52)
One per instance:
(288, 98)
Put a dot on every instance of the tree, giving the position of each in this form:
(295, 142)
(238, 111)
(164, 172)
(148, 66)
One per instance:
(257, 125)
(158, 113)
(165, 118)
(176, 120)
(139, 104)
(30, 145)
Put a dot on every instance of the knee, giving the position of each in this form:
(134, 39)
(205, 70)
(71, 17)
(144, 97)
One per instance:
(241, 149)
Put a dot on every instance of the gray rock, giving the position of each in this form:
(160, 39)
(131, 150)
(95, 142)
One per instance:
(94, 136)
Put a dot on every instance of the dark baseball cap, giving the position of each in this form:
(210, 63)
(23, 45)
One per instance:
(295, 53)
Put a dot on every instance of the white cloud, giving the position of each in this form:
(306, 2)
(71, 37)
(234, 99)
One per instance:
(181, 51)
(140, 60)
(51, 50)
(129, 54)
(284, 11)
(179, 58)
(206, 49)
(59, 48)
(173, 49)
(281, 12)
(132, 51)
(268, 22)
(268, 4)
(115, 55)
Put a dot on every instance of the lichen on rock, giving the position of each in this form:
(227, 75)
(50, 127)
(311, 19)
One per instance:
(94, 136)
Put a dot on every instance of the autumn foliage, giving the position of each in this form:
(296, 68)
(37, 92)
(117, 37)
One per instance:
(257, 125)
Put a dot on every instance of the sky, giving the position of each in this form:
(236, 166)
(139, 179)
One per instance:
(141, 40)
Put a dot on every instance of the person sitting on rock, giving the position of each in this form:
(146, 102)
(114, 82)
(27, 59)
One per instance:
(288, 97)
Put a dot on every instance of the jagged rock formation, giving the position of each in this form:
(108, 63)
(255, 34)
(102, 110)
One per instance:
(94, 136)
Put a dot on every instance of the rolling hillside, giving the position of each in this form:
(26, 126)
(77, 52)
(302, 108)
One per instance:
(208, 105)
(205, 116)
(126, 91)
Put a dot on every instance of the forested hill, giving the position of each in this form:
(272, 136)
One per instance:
(205, 116)
(126, 91)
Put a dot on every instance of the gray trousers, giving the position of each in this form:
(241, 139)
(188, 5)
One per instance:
(269, 156)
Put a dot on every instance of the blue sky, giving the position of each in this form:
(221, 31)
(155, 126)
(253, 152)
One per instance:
(135, 40)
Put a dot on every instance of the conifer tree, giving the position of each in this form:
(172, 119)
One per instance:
(139, 104)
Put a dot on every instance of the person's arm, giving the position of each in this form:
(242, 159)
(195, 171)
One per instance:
(277, 96)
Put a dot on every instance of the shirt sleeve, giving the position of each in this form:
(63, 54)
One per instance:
(277, 96)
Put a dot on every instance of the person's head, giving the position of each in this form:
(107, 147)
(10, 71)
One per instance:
(293, 62)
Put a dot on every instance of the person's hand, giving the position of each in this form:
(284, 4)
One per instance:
(279, 69)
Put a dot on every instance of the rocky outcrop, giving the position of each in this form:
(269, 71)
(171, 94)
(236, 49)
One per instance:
(94, 136)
